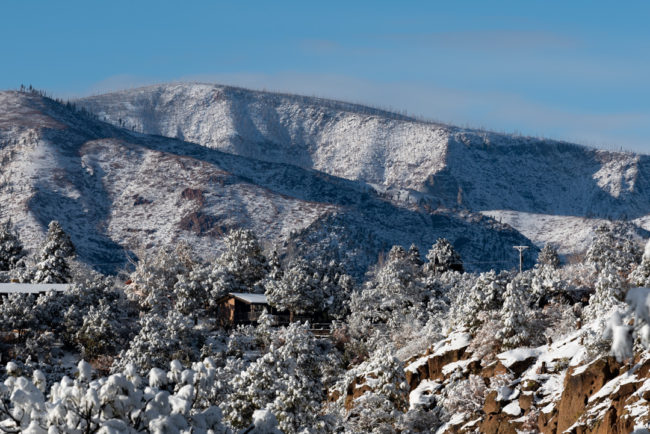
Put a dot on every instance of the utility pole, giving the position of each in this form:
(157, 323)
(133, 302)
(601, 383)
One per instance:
(521, 256)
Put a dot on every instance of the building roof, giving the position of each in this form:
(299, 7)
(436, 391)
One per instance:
(251, 298)
(32, 288)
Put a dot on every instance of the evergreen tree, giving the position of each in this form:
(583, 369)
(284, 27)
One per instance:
(485, 295)
(242, 266)
(548, 257)
(385, 398)
(515, 315)
(442, 257)
(191, 291)
(609, 293)
(11, 249)
(160, 340)
(51, 261)
(152, 282)
(394, 297)
(613, 247)
(298, 290)
(641, 274)
(97, 335)
(287, 380)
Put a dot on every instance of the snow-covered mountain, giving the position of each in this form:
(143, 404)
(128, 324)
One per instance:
(401, 158)
(115, 191)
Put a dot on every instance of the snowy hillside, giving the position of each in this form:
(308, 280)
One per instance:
(492, 171)
(116, 191)
(404, 159)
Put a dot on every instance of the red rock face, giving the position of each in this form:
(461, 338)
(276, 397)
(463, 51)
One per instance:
(573, 411)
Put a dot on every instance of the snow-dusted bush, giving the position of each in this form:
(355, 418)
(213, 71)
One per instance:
(122, 402)
(464, 396)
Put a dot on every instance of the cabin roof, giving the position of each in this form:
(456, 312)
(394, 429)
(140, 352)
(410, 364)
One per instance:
(32, 288)
(250, 298)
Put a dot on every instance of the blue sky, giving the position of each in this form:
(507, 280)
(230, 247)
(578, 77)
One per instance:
(571, 70)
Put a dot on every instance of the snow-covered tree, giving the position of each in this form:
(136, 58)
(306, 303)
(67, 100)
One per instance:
(51, 261)
(548, 257)
(516, 315)
(287, 381)
(640, 276)
(613, 247)
(383, 403)
(547, 283)
(609, 293)
(242, 266)
(485, 295)
(11, 249)
(191, 291)
(98, 332)
(160, 340)
(297, 291)
(310, 287)
(442, 257)
(17, 313)
(152, 282)
(394, 296)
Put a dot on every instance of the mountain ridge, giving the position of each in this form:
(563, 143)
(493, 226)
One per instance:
(114, 189)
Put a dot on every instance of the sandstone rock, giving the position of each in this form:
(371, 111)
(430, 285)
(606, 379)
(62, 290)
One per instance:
(578, 388)
(526, 401)
(492, 406)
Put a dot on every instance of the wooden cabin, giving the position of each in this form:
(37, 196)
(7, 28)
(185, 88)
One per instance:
(241, 308)
(245, 308)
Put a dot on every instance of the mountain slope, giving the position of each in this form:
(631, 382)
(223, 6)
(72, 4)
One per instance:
(411, 160)
(115, 190)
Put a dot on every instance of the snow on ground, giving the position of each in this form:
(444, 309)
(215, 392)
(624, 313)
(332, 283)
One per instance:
(423, 394)
(455, 341)
(568, 234)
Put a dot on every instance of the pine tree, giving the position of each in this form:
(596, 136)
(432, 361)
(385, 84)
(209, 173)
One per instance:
(242, 266)
(287, 381)
(52, 265)
(11, 249)
(613, 247)
(640, 276)
(191, 291)
(97, 335)
(298, 291)
(160, 340)
(385, 398)
(609, 292)
(486, 295)
(548, 257)
(442, 257)
(515, 315)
